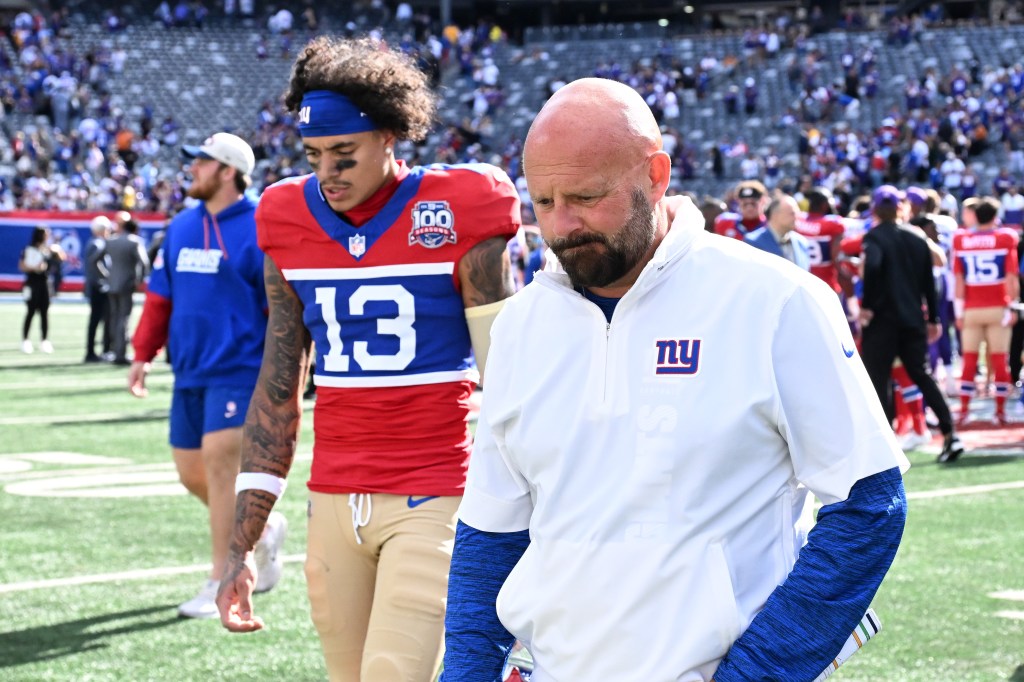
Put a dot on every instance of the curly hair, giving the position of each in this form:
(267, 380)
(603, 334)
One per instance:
(386, 85)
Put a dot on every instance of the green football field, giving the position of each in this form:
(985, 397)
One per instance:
(99, 543)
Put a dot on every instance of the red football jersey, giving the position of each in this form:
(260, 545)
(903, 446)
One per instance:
(820, 231)
(383, 305)
(732, 225)
(984, 259)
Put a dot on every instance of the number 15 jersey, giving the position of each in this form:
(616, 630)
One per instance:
(383, 305)
(984, 258)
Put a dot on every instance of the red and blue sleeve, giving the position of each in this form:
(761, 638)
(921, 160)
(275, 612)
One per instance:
(152, 330)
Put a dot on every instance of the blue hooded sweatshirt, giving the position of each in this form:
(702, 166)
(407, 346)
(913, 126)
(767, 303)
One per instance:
(211, 270)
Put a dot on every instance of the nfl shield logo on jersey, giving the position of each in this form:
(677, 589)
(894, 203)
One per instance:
(433, 224)
(357, 245)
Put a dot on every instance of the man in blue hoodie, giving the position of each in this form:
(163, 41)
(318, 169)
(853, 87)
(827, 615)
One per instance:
(206, 302)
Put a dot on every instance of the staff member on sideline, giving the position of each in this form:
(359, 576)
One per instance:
(897, 274)
(779, 235)
(97, 283)
(206, 295)
(641, 518)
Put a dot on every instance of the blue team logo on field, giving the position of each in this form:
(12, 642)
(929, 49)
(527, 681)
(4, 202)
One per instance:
(678, 356)
(433, 224)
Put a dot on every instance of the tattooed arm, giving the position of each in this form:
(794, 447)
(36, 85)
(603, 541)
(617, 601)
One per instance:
(485, 274)
(268, 442)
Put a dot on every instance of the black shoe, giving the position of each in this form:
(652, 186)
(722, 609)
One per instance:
(92, 357)
(122, 362)
(952, 448)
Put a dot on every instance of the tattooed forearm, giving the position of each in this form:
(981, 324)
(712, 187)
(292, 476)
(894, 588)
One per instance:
(485, 273)
(287, 339)
(251, 511)
(272, 422)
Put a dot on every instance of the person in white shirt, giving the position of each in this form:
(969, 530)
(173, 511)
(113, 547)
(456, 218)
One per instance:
(1012, 207)
(952, 170)
(639, 503)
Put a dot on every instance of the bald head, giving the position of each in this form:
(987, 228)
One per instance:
(595, 117)
(100, 225)
(596, 174)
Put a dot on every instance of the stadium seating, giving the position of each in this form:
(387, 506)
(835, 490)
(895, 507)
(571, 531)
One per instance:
(211, 79)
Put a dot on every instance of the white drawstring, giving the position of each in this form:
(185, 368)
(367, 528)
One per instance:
(355, 502)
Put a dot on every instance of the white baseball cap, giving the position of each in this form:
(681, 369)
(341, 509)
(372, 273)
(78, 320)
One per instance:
(229, 149)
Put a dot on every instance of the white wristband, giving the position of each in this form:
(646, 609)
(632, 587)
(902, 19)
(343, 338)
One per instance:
(958, 308)
(248, 480)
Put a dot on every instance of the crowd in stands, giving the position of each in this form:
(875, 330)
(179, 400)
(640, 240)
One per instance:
(94, 155)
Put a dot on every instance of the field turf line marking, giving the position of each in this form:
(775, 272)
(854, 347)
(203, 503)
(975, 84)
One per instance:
(965, 490)
(1012, 595)
(100, 578)
(1014, 615)
(53, 420)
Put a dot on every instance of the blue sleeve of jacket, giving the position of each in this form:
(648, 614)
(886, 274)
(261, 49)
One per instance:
(810, 615)
(476, 643)
(159, 282)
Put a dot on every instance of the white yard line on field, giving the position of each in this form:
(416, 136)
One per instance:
(1013, 615)
(179, 570)
(1012, 595)
(114, 383)
(965, 490)
(49, 420)
(115, 577)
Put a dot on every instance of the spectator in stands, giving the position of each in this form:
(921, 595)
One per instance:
(1012, 207)
(182, 14)
(128, 266)
(717, 161)
(751, 167)
(34, 262)
(163, 14)
(97, 284)
(730, 100)
(1002, 182)
(750, 95)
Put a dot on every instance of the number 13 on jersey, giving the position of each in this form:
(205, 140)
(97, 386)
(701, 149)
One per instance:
(399, 326)
(374, 325)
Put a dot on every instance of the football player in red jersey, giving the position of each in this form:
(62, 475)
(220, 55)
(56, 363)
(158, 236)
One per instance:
(985, 267)
(824, 230)
(396, 274)
(752, 199)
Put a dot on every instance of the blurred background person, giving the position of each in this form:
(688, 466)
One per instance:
(779, 235)
(97, 283)
(35, 263)
(128, 265)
